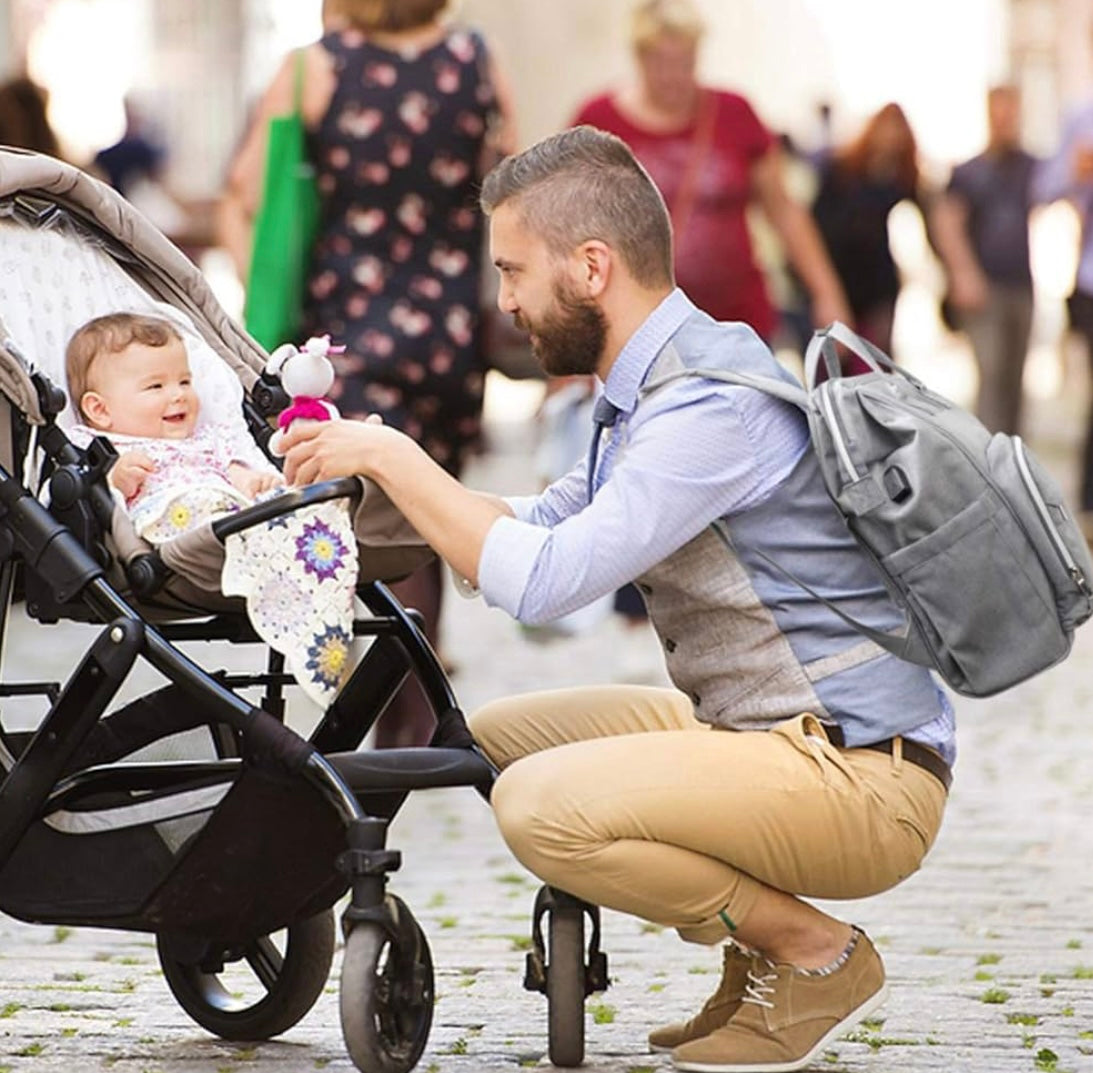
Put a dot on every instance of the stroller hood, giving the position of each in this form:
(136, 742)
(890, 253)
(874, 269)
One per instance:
(51, 193)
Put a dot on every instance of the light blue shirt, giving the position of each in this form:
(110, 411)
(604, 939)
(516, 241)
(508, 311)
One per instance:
(692, 455)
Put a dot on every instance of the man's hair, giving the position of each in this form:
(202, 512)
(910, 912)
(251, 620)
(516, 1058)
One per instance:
(586, 184)
(388, 16)
(653, 19)
(110, 334)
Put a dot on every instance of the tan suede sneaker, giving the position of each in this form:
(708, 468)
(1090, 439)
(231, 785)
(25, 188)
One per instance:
(787, 1017)
(719, 1007)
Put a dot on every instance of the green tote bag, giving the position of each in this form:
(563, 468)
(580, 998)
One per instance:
(284, 230)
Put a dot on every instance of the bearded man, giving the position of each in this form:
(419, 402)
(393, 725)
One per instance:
(794, 759)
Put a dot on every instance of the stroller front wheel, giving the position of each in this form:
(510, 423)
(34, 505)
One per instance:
(256, 990)
(565, 985)
(386, 993)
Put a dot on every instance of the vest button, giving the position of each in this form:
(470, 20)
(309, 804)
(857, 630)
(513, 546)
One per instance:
(669, 644)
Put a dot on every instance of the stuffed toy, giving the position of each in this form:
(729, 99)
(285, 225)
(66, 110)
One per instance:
(307, 375)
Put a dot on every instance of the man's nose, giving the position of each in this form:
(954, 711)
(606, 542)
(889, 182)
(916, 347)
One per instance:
(506, 302)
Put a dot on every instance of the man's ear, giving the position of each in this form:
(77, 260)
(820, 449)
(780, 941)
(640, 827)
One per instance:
(93, 406)
(597, 261)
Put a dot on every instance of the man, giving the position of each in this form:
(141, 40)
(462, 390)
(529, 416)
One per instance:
(823, 773)
(981, 229)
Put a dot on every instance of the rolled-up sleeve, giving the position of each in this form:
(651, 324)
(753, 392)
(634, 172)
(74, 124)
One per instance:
(508, 558)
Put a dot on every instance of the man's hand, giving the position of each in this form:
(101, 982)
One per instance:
(253, 482)
(129, 473)
(322, 450)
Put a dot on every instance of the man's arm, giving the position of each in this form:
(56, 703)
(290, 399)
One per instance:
(968, 285)
(453, 520)
(695, 451)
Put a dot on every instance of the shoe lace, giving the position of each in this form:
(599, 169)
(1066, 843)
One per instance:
(759, 985)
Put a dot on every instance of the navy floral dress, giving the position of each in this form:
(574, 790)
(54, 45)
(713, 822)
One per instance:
(395, 270)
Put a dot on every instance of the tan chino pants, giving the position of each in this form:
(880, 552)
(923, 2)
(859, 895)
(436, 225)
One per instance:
(618, 795)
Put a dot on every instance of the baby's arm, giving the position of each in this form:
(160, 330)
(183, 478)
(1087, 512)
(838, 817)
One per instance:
(129, 472)
(252, 482)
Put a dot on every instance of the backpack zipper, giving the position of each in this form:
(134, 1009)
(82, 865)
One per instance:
(1033, 489)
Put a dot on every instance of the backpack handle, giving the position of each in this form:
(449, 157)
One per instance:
(822, 344)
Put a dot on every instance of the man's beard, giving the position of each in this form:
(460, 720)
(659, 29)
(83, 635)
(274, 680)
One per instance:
(570, 338)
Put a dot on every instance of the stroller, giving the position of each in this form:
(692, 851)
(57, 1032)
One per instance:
(93, 830)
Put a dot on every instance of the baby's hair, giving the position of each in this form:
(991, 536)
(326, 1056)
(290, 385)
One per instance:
(110, 334)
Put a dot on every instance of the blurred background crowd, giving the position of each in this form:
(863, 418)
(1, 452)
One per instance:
(922, 171)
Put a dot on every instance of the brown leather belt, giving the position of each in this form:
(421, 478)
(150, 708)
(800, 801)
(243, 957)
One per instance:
(920, 755)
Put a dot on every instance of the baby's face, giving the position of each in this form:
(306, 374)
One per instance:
(144, 391)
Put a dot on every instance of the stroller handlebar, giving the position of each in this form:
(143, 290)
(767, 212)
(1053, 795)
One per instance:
(286, 503)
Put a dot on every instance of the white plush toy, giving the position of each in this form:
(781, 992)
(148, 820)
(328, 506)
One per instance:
(307, 375)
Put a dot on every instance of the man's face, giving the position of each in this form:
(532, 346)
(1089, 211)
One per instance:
(567, 330)
(143, 391)
(1004, 116)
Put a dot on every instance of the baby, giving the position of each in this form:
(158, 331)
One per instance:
(129, 377)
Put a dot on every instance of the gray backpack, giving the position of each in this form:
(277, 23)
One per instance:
(971, 534)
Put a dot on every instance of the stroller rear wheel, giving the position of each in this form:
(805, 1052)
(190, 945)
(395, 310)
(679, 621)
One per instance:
(255, 990)
(387, 992)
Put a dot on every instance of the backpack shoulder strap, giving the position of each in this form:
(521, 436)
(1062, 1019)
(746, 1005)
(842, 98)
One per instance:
(791, 393)
(905, 644)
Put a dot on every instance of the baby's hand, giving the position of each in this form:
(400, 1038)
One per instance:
(129, 473)
(253, 482)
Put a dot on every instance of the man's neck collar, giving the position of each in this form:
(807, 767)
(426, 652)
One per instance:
(623, 376)
(624, 323)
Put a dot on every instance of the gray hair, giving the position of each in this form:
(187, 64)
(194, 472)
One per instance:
(586, 184)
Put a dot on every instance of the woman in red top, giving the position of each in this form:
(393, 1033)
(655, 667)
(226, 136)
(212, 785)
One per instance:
(711, 156)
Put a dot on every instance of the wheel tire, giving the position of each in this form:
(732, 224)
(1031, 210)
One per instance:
(386, 1001)
(565, 986)
(288, 978)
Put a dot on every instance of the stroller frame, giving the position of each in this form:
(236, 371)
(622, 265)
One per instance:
(209, 898)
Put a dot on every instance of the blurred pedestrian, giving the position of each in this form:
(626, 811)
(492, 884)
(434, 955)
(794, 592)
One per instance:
(136, 157)
(711, 156)
(980, 227)
(860, 184)
(403, 111)
(1068, 173)
(24, 117)
(135, 166)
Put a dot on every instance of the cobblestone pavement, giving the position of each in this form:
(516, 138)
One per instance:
(989, 948)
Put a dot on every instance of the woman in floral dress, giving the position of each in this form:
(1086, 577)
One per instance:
(401, 109)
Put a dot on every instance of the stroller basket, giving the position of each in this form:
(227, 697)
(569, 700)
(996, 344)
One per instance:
(92, 830)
